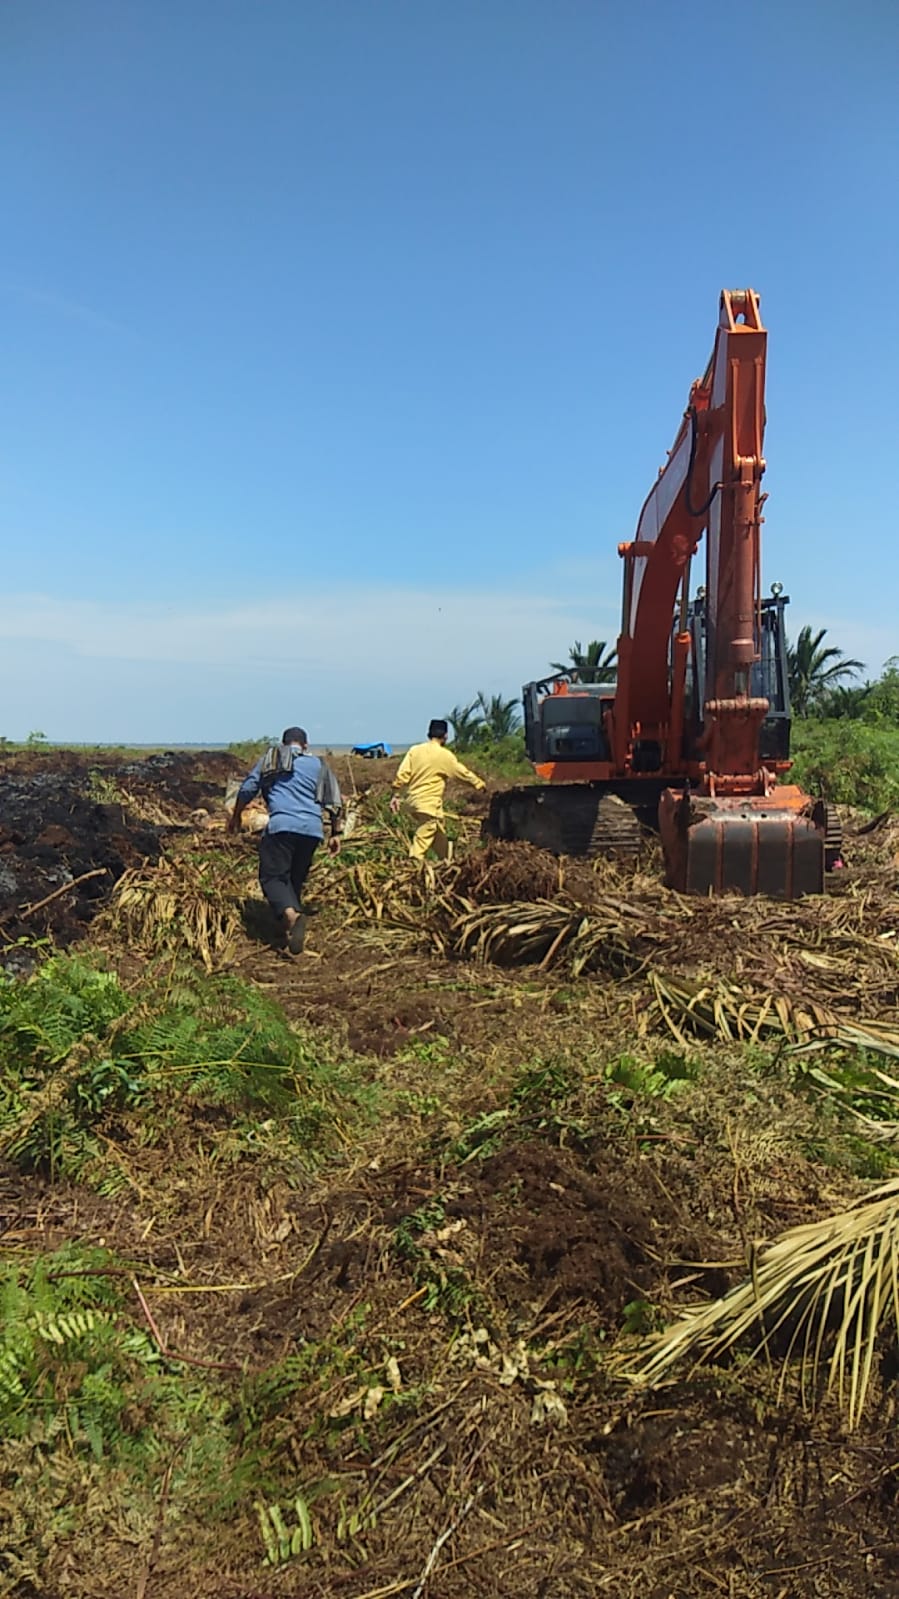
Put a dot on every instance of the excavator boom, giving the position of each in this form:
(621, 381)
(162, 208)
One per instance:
(712, 482)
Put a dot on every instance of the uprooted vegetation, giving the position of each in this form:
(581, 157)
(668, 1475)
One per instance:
(346, 1276)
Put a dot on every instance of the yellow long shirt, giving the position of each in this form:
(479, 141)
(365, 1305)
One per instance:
(423, 772)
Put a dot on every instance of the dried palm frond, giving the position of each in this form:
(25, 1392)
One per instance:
(610, 935)
(394, 893)
(145, 809)
(827, 1290)
(722, 1010)
(171, 904)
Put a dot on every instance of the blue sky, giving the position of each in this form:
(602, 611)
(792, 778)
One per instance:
(342, 340)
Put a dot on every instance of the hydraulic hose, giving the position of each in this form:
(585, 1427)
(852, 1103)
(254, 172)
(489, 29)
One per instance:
(696, 510)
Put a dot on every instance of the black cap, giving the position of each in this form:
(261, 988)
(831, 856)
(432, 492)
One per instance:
(294, 735)
(438, 728)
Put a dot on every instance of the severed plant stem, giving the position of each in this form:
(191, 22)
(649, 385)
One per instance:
(29, 910)
(171, 1354)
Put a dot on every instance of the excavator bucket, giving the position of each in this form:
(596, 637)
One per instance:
(751, 844)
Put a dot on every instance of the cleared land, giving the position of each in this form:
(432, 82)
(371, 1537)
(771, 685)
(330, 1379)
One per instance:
(324, 1276)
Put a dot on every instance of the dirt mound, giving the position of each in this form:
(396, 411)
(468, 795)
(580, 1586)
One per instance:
(500, 873)
(179, 780)
(560, 1231)
(71, 824)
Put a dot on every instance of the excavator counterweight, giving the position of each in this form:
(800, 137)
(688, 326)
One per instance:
(694, 734)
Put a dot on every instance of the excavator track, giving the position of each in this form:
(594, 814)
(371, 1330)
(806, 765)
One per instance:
(827, 818)
(575, 820)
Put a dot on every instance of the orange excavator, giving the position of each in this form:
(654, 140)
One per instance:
(694, 735)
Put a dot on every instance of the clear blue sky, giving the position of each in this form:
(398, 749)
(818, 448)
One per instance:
(342, 340)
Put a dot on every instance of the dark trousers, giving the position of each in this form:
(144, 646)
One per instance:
(284, 862)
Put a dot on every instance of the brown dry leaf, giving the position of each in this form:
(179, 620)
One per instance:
(372, 1402)
(548, 1409)
(347, 1405)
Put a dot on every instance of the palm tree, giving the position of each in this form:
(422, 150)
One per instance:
(499, 717)
(596, 664)
(814, 669)
(846, 702)
(466, 724)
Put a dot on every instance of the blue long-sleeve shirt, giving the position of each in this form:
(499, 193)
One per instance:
(291, 797)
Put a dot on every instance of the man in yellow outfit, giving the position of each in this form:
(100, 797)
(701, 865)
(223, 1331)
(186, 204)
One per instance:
(423, 773)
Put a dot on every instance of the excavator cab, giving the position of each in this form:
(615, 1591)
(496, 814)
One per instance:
(565, 721)
(769, 677)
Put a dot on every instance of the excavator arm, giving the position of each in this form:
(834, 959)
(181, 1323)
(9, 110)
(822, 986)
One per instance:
(711, 483)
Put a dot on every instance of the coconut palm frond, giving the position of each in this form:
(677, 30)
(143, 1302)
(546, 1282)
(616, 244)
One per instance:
(499, 717)
(466, 723)
(815, 668)
(827, 1290)
(597, 663)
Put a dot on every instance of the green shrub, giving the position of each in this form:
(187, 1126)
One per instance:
(848, 762)
(503, 758)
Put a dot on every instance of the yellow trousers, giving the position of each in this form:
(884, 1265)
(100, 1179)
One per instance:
(429, 834)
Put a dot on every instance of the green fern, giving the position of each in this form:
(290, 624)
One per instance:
(42, 1018)
(14, 1356)
(666, 1076)
(268, 1393)
(60, 1354)
(72, 1057)
(281, 1541)
(66, 1326)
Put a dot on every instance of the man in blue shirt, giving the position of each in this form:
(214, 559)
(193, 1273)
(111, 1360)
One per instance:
(297, 788)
